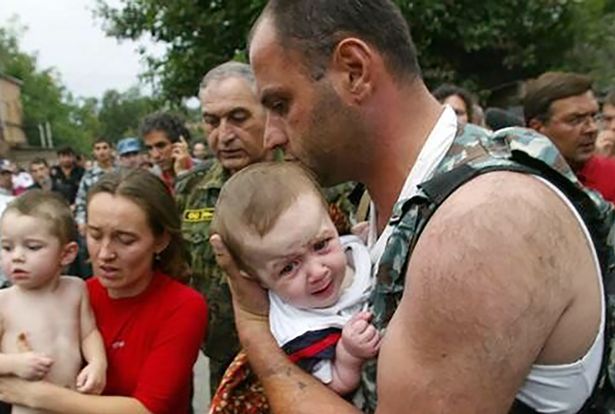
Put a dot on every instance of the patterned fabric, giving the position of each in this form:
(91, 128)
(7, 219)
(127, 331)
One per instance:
(196, 194)
(88, 180)
(341, 208)
(239, 392)
(481, 150)
(312, 347)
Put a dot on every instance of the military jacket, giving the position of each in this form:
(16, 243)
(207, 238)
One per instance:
(483, 151)
(196, 194)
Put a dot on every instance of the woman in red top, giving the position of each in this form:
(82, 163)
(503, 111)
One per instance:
(151, 324)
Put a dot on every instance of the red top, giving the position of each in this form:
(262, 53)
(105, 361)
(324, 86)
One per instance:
(152, 342)
(598, 173)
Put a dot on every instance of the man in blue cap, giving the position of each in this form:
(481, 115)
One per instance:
(129, 151)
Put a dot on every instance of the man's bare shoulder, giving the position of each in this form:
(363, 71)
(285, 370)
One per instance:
(487, 282)
(507, 221)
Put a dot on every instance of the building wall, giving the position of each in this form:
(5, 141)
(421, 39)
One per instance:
(11, 114)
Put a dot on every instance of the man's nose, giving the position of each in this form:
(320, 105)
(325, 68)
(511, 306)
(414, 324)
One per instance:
(154, 153)
(226, 132)
(275, 135)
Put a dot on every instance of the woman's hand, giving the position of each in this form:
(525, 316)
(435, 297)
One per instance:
(250, 300)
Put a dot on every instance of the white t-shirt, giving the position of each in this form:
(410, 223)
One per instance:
(436, 146)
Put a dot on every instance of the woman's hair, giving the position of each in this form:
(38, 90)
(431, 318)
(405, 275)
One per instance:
(149, 192)
(47, 206)
(254, 198)
(442, 92)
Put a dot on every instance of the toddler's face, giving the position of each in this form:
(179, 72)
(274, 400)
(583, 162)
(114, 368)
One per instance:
(301, 258)
(31, 254)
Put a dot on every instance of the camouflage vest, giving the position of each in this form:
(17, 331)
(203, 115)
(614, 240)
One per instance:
(474, 152)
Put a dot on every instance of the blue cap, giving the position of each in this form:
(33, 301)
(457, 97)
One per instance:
(126, 145)
(5, 165)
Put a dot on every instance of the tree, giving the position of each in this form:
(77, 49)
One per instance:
(120, 113)
(44, 98)
(199, 35)
(73, 121)
(483, 45)
(594, 46)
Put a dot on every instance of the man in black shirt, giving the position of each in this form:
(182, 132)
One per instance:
(67, 174)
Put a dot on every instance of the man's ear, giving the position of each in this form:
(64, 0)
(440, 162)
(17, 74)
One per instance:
(536, 124)
(69, 253)
(353, 65)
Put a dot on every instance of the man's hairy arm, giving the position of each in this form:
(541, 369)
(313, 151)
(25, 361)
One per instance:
(486, 285)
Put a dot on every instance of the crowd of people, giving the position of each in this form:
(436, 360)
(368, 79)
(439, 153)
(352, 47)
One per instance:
(454, 259)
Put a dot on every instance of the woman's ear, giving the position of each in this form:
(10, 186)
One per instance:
(69, 253)
(162, 242)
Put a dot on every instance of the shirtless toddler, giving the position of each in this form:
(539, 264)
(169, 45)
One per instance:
(47, 326)
(275, 222)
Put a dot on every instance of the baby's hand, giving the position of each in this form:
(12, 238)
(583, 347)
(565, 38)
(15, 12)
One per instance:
(360, 338)
(92, 379)
(31, 366)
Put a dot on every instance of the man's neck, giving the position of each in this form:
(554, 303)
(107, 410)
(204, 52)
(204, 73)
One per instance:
(402, 134)
(106, 166)
(577, 167)
(67, 169)
(45, 184)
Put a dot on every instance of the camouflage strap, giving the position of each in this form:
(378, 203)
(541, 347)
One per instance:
(412, 216)
(439, 188)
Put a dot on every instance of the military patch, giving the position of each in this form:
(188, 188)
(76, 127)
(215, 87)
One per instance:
(199, 215)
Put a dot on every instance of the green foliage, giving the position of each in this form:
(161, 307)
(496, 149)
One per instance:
(489, 44)
(43, 97)
(120, 113)
(484, 45)
(199, 35)
(74, 121)
(594, 46)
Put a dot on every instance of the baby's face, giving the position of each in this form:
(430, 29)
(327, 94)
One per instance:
(300, 259)
(31, 255)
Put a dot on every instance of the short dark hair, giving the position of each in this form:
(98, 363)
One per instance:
(610, 98)
(38, 161)
(66, 150)
(497, 118)
(541, 92)
(172, 125)
(315, 27)
(102, 140)
(445, 90)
